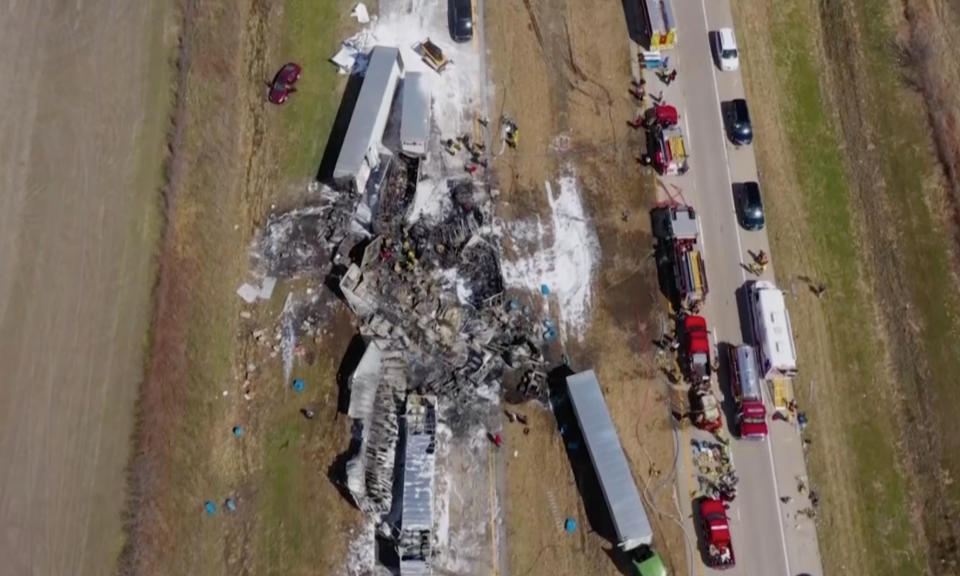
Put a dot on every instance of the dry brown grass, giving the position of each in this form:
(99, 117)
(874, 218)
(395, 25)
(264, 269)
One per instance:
(932, 69)
(915, 302)
(575, 82)
(231, 159)
(174, 469)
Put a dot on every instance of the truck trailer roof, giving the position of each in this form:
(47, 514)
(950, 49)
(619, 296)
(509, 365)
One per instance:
(616, 481)
(415, 113)
(749, 380)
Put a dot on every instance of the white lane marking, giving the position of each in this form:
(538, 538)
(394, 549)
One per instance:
(773, 466)
(776, 494)
(703, 241)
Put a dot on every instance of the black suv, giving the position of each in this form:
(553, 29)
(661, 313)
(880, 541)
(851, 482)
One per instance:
(749, 205)
(461, 20)
(739, 128)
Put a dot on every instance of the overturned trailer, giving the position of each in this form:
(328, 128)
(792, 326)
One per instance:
(377, 386)
(610, 463)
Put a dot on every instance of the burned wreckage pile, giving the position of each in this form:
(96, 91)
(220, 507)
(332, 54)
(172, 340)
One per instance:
(429, 300)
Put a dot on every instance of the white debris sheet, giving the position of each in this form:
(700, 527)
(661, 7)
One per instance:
(251, 293)
(562, 257)
(352, 56)
(360, 13)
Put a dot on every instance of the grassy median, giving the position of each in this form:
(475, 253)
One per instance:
(303, 522)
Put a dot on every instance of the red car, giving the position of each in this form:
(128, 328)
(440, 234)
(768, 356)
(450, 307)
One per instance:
(282, 86)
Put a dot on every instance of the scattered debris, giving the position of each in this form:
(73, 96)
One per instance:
(360, 13)
(716, 475)
(352, 56)
(251, 293)
(248, 292)
(432, 55)
(416, 257)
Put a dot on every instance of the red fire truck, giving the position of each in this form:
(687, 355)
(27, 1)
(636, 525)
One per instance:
(747, 391)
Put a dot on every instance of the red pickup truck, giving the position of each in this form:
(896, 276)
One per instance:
(696, 349)
(716, 532)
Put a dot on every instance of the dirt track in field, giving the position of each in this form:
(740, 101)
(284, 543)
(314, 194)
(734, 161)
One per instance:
(81, 114)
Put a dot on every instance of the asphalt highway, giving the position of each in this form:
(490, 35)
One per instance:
(769, 537)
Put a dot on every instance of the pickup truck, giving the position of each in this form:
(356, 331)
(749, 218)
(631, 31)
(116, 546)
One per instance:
(716, 531)
(695, 349)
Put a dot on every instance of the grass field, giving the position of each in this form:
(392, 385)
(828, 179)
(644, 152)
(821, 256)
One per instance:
(863, 174)
(922, 291)
(857, 354)
(303, 519)
(234, 156)
(311, 34)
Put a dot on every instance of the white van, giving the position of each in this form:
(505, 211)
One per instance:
(725, 50)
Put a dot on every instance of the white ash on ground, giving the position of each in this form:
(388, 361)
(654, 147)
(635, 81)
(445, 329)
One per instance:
(404, 23)
(562, 257)
(466, 500)
(361, 557)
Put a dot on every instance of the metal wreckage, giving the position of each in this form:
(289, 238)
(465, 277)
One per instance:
(430, 304)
